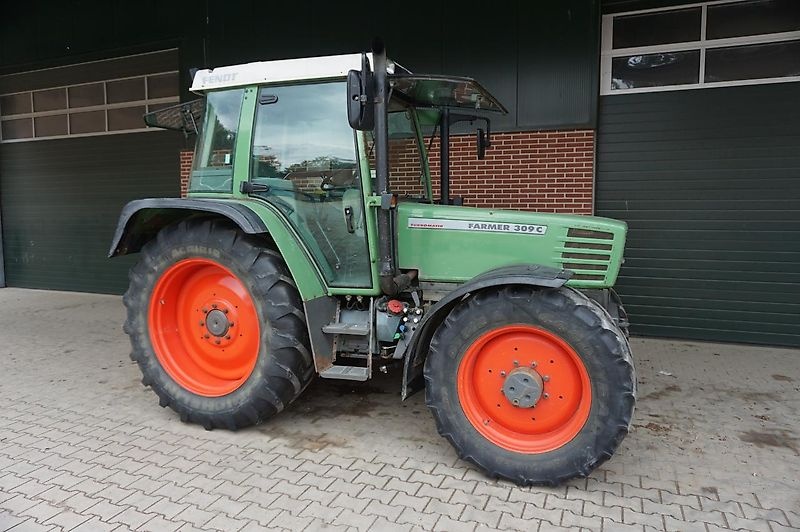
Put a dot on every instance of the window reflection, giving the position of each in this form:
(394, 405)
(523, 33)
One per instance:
(655, 70)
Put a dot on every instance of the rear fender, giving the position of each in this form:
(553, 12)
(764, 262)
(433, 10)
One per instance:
(414, 348)
(141, 220)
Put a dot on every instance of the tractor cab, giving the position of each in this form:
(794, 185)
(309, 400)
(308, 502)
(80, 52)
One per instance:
(302, 155)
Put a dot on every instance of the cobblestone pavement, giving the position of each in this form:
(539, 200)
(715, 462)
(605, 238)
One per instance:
(83, 446)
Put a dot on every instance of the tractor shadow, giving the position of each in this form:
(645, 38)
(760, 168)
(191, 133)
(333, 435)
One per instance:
(357, 415)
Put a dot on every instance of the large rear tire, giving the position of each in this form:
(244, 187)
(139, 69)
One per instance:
(216, 325)
(535, 386)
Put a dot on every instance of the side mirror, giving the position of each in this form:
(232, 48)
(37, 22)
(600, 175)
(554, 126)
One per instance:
(482, 141)
(361, 97)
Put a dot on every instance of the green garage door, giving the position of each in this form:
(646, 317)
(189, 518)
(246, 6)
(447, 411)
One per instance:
(709, 183)
(60, 199)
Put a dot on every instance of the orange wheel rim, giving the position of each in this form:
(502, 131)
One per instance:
(204, 327)
(510, 364)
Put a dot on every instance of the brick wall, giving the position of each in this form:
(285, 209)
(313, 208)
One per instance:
(547, 171)
(186, 169)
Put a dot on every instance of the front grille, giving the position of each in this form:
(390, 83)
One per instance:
(588, 233)
(587, 253)
(588, 245)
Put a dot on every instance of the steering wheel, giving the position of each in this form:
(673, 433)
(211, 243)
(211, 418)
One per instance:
(338, 179)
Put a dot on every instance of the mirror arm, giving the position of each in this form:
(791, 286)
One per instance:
(447, 119)
(458, 117)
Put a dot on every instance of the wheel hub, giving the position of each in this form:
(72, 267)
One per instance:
(523, 387)
(204, 327)
(530, 417)
(217, 323)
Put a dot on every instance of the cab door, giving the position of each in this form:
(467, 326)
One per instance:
(303, 161)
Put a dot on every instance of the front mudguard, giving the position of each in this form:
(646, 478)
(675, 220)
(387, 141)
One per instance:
(413, 347)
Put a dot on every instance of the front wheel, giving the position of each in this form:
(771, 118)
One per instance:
(533, 385)
(217, 326)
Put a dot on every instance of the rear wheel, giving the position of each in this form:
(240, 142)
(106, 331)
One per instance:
(216, 325)
(536, 386)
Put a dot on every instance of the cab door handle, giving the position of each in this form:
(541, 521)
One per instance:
(348, 219)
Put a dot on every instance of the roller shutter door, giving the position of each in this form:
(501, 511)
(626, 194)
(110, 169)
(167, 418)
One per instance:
(60, 200)
(709, 183)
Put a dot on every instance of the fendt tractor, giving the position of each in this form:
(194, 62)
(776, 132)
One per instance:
(311, 243)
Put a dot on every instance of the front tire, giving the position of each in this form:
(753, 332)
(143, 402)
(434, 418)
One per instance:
(216, 325)
(533, 385)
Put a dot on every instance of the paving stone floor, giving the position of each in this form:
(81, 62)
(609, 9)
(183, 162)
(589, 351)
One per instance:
(84, 446)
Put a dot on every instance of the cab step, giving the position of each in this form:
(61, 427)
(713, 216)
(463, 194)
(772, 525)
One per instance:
(353, 329)
(348, 373)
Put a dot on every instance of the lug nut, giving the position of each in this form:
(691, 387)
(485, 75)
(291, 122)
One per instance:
(502, 373)
(224, 311)
(516, 363)
(546, 378)
(206, 336)
(228, 337)
(202, 323)
(533, 364)
(232, 324)
(205, 310)
(216, 341)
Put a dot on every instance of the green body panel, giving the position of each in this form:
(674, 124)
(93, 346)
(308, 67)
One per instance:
(304, 271)
(370, 219)
(458, 255)
(241, 166)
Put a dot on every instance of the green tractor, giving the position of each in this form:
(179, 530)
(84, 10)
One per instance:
(311, 243)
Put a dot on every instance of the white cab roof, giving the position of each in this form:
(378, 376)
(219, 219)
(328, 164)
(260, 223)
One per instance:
(310, 68)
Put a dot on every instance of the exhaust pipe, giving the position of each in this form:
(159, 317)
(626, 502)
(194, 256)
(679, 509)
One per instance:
(386, 262)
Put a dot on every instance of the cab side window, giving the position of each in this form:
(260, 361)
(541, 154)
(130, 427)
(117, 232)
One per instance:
(304, 158)
(212, 168)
